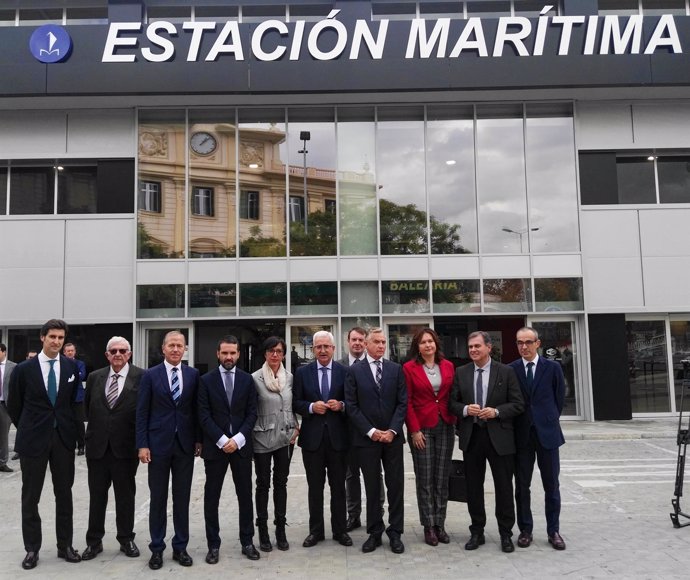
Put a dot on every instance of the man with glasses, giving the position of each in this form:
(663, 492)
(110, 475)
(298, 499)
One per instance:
(110, 405)
(317, 395)
(538, 435)
(486, 398)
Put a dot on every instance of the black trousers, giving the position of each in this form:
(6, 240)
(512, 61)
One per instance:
(319, 464)
(81, 425)
(479, 451)
(353, 486)
(241, 468)
(281, 469)
(61, 462)
(121, 473)
(390, 457)
(181, 466)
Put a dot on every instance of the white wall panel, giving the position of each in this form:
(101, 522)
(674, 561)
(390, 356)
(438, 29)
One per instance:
(454, 267)
(613, 284)
(561, 266)
(32, 244)
(101, 133)
(160, 272)
(212, 272)
(505, 266)
(32, 134)
(263, 271)
(406, 268)
(604, 126)
(314, 269)
(100, 242)
(96, 294)
(609, 234)
(667, 283)
(665, 232)
(661, 125)
(354, 269)
(30, 295)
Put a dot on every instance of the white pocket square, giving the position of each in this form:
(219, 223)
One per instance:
(71, 379)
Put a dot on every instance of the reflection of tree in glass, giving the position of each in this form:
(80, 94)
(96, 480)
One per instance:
(507, 290)
(150, 248)
(161, 296)
(558, 290)
(403, 231)
(319, 240)
(456, 292)
(257, 246)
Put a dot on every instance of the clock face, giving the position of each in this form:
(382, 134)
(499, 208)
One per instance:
(203, 143)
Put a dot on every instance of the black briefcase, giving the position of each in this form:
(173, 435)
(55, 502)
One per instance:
(457, 490)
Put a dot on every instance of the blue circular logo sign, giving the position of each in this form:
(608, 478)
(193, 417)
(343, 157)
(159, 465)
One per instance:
(50, 43)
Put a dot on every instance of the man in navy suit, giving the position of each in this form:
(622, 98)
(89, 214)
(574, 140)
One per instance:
(538, 434)
(42, 405)
(168, 439)
(318, 395)
(227, 414)
(376, 403)
(70, 351)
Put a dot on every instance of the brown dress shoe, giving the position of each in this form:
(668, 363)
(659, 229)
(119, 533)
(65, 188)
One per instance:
(557, 541)
(430, 536)
(442, 535)
(524, 540)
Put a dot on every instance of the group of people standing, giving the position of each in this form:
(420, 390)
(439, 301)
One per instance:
(352, 415)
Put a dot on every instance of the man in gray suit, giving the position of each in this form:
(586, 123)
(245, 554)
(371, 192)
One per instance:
(485, 398)
(6, 368)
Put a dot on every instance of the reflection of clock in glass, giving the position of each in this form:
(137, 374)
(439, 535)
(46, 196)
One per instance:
(203, 143)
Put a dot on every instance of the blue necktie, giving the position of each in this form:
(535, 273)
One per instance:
(175, 386)
(325, 392)
(530, 376)
(52, 383)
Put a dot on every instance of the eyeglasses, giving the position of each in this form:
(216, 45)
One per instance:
(114, 351)
(276, 352)
(525, 342)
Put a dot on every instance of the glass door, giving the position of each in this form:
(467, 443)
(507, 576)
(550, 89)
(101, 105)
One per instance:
(299, 340)
(148, 353)
(400, 333)
(559, 343)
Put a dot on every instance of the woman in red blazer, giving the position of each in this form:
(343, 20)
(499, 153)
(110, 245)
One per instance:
(430, 426)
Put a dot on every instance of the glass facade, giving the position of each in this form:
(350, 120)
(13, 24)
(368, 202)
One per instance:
(648, 359)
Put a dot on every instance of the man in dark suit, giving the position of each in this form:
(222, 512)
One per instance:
(538, 434)
(110, 405)
(6, 368)
(318, 395)
(42, 405)
(485, 398)
(168, 439)
(70, 351)
(376, 403)
(227, 414)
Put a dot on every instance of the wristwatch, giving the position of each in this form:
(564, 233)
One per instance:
(496, 417)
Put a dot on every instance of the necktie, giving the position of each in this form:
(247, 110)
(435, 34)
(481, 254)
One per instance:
(175, 386)
(530, 375)
(479, 389)
(52, 383)
(111, 395)
(379, 373)
(325, 391)
(229, 385)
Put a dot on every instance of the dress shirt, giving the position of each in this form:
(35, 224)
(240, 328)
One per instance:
(353, 359)
(319, 372)
(2, 378)
(45, 369)
(485, 383)
(535, 361)
(120, 381)
(239, 438)
(168, 371)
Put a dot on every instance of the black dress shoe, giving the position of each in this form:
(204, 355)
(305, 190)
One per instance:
(475, 541)
(343, 539)
(92, 551)
(130, 549)
(373, 542)
(6, 468)
(352, 523)
(156, 561)
(557, 541)
(507, 544)
(30, 560)
(212, 556)
(524, 540)
(397, 547)
(311, 540)
(183, 558)
(69, 554)
(80, 451)
(14, 458)
(251, 552)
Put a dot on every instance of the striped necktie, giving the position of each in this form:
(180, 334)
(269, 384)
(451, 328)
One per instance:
(111, 396)
(175, 386)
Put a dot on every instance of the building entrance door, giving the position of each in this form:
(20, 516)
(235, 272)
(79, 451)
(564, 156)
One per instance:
(148, 351)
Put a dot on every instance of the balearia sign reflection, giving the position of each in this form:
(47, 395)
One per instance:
(331, 39)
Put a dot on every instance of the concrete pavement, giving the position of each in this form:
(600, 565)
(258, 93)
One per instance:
(617, 481)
